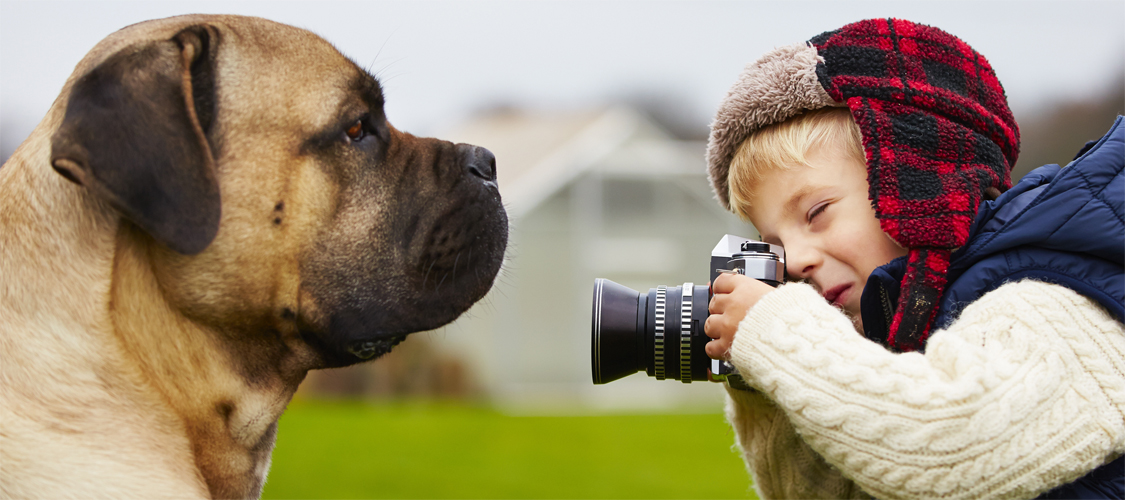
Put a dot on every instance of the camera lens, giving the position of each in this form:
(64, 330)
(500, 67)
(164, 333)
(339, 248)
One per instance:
(660, 333)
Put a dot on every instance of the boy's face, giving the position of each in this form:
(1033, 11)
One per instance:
(822, 216)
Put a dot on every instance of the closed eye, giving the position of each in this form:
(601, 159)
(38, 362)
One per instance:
(816, 211)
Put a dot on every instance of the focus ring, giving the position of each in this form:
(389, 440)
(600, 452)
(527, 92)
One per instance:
(685, 333)
(658, 355)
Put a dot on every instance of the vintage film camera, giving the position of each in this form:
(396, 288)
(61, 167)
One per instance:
(661, 332)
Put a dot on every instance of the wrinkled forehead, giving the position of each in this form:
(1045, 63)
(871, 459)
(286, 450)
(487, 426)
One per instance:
(274, 71)
(266, 72)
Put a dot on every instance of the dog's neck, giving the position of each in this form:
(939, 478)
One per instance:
(50, 232)
(76, 279)
(63, 368)
(230, 419)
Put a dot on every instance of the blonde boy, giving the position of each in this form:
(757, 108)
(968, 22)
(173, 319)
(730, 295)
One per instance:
(873, 154)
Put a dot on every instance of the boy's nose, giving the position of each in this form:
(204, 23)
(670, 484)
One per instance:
(801, 262)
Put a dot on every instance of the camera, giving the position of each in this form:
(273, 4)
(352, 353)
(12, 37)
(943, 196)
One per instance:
(661, 332)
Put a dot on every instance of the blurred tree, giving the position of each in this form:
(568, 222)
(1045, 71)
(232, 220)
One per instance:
(1058, 132)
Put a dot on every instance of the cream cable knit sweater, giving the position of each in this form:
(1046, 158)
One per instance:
(1024, 392)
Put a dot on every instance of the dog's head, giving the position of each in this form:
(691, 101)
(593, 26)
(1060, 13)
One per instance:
(269, 195)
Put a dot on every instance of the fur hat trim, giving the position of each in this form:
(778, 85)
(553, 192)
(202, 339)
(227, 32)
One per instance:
(779, 86)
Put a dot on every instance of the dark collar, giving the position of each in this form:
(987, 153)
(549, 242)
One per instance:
(880, 295)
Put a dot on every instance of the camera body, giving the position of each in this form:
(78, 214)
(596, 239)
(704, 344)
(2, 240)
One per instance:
(661, 332)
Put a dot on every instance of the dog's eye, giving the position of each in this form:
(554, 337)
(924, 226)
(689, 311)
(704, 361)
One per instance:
(356, 132)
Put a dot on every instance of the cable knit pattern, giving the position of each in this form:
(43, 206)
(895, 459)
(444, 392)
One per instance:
(782, 465)
(1025, 392)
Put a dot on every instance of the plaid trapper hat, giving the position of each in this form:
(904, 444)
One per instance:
(937, 133)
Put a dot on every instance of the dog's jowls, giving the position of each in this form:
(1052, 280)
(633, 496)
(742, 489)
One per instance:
(214, 206)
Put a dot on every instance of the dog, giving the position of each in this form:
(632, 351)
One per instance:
(214, 206)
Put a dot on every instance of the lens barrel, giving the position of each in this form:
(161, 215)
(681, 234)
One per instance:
(660, 333)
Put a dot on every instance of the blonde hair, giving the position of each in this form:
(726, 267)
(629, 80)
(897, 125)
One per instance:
(787, 144)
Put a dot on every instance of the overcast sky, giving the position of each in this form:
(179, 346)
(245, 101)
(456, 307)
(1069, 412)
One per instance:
(441, 60)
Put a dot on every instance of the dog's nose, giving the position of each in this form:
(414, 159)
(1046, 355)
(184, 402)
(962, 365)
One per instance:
(479, 161)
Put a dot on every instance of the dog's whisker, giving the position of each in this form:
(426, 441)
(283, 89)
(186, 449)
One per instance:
(455, 260)
(438, 287)
(427, 276)
(476, 270)
(382, 46)
(381, 73)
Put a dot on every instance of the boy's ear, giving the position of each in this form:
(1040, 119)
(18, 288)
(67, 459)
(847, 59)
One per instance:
(135, 135)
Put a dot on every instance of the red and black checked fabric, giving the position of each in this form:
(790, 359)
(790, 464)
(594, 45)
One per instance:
(937, 133)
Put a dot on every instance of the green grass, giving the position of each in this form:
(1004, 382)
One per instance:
(433, 450)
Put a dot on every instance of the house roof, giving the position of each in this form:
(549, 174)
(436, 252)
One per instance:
(539, 152)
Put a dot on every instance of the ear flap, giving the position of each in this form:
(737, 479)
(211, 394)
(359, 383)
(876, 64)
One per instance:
(135, 134)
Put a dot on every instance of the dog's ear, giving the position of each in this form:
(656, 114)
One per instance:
(135, 133)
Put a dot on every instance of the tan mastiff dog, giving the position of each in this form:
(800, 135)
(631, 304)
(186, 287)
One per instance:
(212, 207)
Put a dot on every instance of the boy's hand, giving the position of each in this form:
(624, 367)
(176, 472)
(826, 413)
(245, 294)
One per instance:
(732, 296)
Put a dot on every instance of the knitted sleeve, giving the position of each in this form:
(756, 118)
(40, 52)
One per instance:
(1024, 392)
(782, 465)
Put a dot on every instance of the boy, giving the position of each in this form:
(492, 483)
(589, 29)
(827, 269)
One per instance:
(877, 155)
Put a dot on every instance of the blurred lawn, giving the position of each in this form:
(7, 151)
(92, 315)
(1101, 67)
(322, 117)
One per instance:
(443, 450)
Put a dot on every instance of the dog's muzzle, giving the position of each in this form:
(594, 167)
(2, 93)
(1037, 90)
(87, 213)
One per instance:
(439, 255)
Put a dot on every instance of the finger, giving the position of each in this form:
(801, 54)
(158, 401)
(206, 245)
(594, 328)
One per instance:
(714, 306)
(719, 281)
(717, 349)
(726, 282)
(709, 329)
